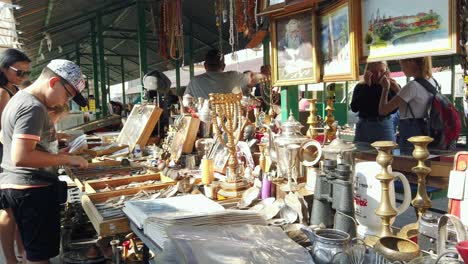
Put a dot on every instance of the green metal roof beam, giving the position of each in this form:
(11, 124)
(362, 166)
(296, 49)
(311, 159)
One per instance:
(114, 55)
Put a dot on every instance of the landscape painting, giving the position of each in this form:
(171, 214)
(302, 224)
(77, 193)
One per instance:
(337, 44)
(396, 29)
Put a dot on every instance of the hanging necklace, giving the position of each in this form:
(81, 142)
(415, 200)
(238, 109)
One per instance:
(231, 24)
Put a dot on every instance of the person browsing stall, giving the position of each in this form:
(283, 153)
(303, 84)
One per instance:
(215, 80)
(373, 126)
(31, 190)
(412, 100)
(14, 70)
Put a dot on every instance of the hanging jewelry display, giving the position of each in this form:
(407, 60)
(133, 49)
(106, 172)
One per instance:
(176, 49)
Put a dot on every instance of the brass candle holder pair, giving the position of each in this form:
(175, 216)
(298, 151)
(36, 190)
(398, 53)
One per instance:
(421, 202)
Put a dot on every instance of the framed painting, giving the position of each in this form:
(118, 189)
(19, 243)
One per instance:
(293, 41)
(269, 7)
(338, 47)
(399, 29)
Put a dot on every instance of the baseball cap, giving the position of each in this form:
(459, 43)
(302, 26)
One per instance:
(71, 73)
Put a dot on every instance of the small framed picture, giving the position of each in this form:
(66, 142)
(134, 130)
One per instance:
(338, 47)
(293, 44)
(269, 7)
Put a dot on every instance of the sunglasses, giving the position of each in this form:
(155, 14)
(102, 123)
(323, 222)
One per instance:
(20, 73)
(70, 95)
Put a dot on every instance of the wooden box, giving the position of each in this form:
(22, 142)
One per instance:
(93, 186)
(185, 137)
(111, 226)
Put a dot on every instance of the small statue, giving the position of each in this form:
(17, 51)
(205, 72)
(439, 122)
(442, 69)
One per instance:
(248, 136)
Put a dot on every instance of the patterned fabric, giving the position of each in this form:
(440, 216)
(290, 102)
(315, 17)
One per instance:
(70, 72)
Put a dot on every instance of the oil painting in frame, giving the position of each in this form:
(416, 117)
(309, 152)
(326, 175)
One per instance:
(398, 29)
(293, 43)
(338, 47)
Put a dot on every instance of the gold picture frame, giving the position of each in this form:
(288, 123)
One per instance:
(406, 29)
(338, 42)
(294, 56)
(269, 7)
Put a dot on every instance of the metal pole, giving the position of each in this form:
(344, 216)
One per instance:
(77, 51)
(142, 42)
(123, 81)
(102, 63)
(190, 55)
(266, 51)
(95, 69)
(289, 102)
(177, 72)
(108, 82)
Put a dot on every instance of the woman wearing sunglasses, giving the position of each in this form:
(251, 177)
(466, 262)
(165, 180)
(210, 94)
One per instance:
(14, 70)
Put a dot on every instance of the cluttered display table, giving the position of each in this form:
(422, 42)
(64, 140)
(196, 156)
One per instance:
(222, 188)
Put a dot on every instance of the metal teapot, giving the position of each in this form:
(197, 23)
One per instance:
(290, 135)
(340, 151)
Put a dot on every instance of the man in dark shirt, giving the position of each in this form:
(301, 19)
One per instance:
(29, 186)
(371, 126)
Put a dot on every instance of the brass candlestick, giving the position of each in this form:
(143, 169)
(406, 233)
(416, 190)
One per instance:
(421, 201)
(385, 209)
(312, 120)
(262, 159)
(329, 120)
(226, 114)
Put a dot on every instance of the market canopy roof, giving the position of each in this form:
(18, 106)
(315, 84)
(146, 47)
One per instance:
(68, 23)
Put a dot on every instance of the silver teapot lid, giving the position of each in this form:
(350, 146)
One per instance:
(339, 145)
(291, 123)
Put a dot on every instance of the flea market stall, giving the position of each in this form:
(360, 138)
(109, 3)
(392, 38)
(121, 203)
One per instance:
(246, 177)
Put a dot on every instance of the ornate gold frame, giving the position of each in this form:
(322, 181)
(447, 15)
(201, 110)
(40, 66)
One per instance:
(316, 69)
(353, 42)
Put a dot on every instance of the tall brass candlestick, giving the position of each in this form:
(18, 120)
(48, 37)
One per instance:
(385, 209)
(421, 202)
(312, 120)
(329, 120)
(226, 114)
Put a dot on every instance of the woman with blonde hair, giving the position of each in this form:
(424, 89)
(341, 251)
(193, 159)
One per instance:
(373, 126)
(412, 100)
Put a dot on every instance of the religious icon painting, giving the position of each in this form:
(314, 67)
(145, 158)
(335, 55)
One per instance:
(293, 49)
(338, 46)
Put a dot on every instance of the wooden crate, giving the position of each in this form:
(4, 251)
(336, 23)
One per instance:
(92, 186)
(100, 168)
(111, 226)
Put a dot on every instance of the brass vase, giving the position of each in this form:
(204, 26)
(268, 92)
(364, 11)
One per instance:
(385, 209)
(421, 201)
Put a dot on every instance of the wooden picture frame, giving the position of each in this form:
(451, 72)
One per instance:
(293, 41)
(140, 123)
(184, 137)
(270, 7)
(400, 29)
(338, 42)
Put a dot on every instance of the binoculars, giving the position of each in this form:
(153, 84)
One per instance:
(333, 198)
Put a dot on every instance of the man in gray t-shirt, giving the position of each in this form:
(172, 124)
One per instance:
(217, 81)
(29, 188)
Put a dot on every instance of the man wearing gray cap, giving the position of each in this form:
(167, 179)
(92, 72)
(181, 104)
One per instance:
(30, 186)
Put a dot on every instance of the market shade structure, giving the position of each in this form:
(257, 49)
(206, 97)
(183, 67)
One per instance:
(68, 25)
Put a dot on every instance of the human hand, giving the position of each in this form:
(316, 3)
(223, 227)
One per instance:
(385, 82)
(77, 161)
(394, 85)
(368, 77)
